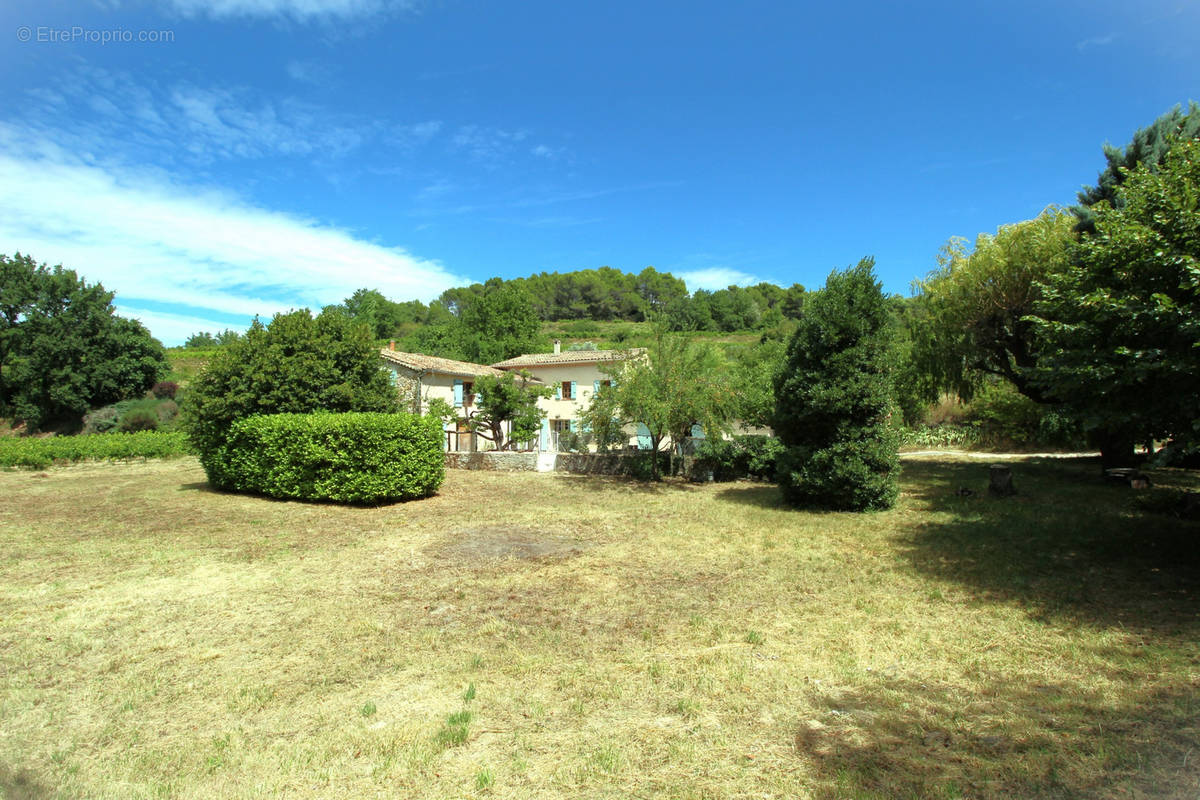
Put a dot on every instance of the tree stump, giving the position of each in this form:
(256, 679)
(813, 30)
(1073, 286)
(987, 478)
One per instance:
(1001, 481)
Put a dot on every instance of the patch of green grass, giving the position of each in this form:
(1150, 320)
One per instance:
(485, 779)
(368, 709)
(455, 730)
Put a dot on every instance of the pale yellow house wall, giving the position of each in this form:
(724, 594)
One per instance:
(416, 390)
(584, 376)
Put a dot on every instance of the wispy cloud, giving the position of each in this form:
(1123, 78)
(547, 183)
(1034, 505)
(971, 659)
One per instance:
(299, 10)
(150, 238)
(488, 145)
(714, 278)
(1095, 41)
(314, 73)
(547, 152)
(186, 124)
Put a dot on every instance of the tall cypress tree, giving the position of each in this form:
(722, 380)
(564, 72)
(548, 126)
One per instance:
(834, 399)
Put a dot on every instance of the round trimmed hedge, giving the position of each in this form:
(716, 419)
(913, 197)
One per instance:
(354, 457)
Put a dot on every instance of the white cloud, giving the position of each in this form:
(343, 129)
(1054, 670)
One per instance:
(174, 329)
(1095, 41)
(147, 237)
(714, 278)
(300, 10)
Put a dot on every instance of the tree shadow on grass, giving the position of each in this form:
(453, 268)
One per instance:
(625, 483)
(1066, 547)
(200, 486)
(758, 495)
(903, 737)
(21, 784)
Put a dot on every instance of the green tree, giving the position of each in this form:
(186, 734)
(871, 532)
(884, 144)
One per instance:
(512, 398)
(834, 399)
(499, 324)
(1149, 148)
(673, 386)
(1122, 323)
(755, 369)
(63, 350)
(296, 364)
(973, 315)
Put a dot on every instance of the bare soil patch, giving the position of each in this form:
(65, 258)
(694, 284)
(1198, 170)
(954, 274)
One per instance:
(489, 543)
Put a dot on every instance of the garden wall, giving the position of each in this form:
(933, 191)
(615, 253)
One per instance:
(502, 462)
(635, 464)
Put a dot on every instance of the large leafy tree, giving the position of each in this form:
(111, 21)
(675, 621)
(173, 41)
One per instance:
(487, 323)
(63, 350)
(1148, 148)
(675, 385)
(971, 317)
(499, 324)
(755, 368)
(834, 398)
(512, 398)
(1122, 323)
(295, 364)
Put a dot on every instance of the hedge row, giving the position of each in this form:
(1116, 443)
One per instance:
(37, 453)
(746, 456)
(345, 458)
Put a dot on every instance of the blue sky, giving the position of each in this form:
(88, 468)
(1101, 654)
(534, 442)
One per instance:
(217, 159)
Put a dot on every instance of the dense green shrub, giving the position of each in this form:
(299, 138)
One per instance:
(641, 465)
(848, 475)
(346, 458)
(740, 457)
(295, 365)
(16, 451)
(1006, 417)
(138, 419)
(834, 402)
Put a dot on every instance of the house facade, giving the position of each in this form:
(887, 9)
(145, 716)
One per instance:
(420, 379)
(576, 377)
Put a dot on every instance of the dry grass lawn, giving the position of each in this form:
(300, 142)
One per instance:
(531, 635)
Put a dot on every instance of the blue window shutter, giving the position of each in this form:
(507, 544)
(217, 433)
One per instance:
(458, 393)
(574, 391)
(697, 432)
(558, 391)
(595, 387)
(643, 437)
(544, 441)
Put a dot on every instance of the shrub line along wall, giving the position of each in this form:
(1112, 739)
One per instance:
(573, 463)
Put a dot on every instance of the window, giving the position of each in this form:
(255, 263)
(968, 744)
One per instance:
(468, 392)
(568, 390)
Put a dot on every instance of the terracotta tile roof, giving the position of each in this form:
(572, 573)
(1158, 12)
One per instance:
(568, 357)
(446, 366)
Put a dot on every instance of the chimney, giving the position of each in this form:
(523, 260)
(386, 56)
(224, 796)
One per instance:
(391, 344)
(557, 347)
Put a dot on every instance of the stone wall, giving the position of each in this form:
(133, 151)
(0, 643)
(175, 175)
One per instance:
(503, 461)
